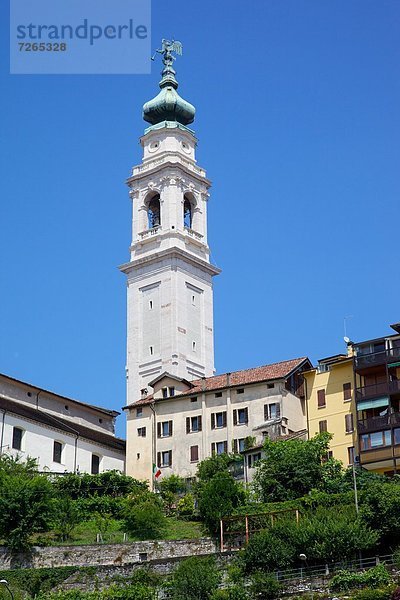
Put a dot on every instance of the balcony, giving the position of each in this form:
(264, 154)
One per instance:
(194, 234)
(378, 389)
(378, 423)
(376, 358)
(149, 232)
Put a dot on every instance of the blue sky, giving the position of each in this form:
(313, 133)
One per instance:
(299, 125)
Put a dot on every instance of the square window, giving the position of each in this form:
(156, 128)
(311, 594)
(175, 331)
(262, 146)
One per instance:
(220, 447)
(141, 431)
(165, 392)
(139, 412)
(17, 438)
(193, 399)
(166, 458)
(142, 556)
(165, 429)
(218, 394)
(270, 386)
(242, 416)
(240, 391)
(172, 391)
(219, 419)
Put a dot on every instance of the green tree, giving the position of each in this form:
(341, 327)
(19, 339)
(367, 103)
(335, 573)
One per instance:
(195, 579)
(144, 519)
(26, 503)
(66, 517)
(212, 465)
(218, 498)
(291, 468)
(264, 586)
(380, 509)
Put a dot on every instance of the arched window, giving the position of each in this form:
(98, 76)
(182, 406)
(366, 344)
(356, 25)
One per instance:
(187, 213)
(153, 212)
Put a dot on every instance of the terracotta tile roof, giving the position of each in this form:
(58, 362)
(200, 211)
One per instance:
(279, 370)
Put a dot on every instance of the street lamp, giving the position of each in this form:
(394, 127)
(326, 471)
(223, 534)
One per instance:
(5, 583)
(303, 557)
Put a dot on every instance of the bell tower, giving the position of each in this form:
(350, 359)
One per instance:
(169, 275)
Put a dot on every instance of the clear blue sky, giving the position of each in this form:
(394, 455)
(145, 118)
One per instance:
(299, 125)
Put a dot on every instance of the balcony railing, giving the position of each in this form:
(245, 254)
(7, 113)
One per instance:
(193, 233)
(376, 358)
(149, 232)
(377, 389)
(378, 423)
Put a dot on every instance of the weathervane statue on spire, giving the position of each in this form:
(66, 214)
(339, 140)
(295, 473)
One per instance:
(169, 46)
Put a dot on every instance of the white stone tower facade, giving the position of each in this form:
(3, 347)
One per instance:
(169, 276)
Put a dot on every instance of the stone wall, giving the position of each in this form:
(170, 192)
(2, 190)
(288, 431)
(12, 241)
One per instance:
(113, 555)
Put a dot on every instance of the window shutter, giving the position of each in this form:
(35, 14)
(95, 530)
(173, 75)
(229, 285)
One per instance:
(158, 459)
(265, 412)
(170, 428)
(246, 415)
(235, 446)
(321, 398)
(194, 453)
(212, 420)
(235, 417)
(199, 422)
(170, 458)
(224, 419)
(226, 446)
(159, 431)
(187, 424)
(323, 426)
(347, 391)
(349, 423)
(213, 448)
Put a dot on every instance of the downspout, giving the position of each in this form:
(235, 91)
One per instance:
(154, 446)
(76, 452)
(2, 432)
(229, 417)
(306, 399)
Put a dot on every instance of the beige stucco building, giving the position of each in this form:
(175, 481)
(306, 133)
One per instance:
(180, 423)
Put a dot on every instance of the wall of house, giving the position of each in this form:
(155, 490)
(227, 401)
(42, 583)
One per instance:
(178, 409)
(56, 405)
(336, 407)
(38, 441)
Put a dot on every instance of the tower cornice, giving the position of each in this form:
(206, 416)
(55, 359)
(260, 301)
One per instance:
(170, 253)
(155, 165)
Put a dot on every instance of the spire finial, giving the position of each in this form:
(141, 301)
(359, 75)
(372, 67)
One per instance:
(168, 72)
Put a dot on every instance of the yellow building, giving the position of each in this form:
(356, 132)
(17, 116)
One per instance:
(330, 405)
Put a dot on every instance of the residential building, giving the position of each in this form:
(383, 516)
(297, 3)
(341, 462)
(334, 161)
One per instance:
(330, 400)
(377, 379)
(183, 422)
(169, 275)
(63, 434)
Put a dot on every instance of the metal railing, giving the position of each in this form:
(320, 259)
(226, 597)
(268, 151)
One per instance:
(377, 389)
(376, 358)
(377, 423)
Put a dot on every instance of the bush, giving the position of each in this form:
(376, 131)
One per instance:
(185, 507)
(67, 515)
(373, 578)
(396, 594)
(235, 592)
(264, 586)
(109, 483)
(195, 579)
(384, 594)
(144, 519)
(100, 505)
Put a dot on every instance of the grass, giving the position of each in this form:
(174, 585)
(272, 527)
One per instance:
(86, 533)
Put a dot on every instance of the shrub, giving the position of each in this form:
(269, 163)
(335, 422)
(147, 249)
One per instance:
(185, 507)
(67, 515)
(195, 579)
(100, 505)
(373, 578)
(144, 519)
(264, 586)
(396, 594)
(384, 594)
(235, 592)
(108, 483)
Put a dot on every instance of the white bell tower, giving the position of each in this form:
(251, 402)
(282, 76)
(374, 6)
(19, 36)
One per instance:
(169, 276)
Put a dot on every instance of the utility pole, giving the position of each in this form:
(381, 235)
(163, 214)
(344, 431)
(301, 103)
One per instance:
(355, 487)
